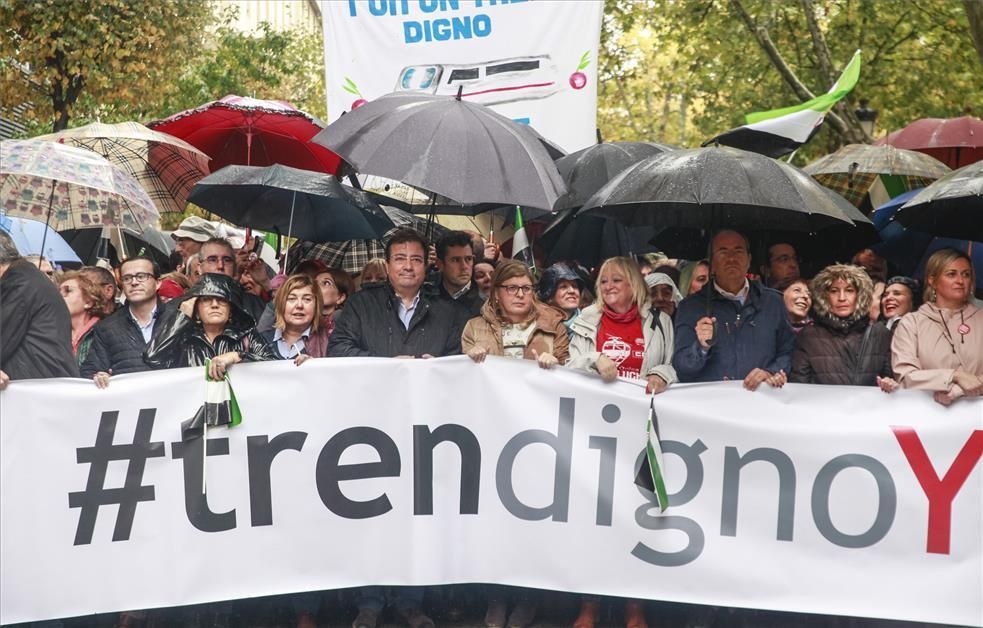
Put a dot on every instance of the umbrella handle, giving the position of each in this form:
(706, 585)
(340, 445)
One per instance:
(713, 338)
(47, 222)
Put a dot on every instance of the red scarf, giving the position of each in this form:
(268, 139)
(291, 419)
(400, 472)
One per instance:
(627, 317)
(619, 336)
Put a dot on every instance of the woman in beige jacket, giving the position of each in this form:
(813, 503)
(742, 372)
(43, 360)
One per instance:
(939, 347)
(513, 323)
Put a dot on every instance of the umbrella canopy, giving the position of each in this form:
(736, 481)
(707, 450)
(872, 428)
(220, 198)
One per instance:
(455, 148)
(956, 142)
(166, 167)
(950, 207)
(252, 132)
(91, 244)
(854, 169)
(587, 171)
(29, 236)
(705, 188)
(70, 188)
(299, 203)
(591, 239)
(416, 201)
(908, 250)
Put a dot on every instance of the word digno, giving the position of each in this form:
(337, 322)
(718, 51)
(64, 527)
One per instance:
(330, 473)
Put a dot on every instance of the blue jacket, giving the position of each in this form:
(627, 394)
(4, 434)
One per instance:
(755, 335)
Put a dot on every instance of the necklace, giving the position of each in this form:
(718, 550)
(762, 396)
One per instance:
(963, 329)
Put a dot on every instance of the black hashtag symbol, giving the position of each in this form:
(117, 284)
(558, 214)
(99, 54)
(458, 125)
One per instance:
(98, 457)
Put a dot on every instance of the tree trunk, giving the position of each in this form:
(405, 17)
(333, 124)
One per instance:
(974, 14)
(760, 34)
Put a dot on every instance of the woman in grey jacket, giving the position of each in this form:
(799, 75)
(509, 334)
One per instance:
(620, 334)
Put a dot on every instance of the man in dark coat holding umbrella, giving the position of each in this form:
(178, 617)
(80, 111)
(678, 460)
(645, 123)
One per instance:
(35, 329)
(733, 328)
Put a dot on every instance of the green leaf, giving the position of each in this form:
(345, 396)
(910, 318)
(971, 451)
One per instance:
(584, 61)
(350, 90)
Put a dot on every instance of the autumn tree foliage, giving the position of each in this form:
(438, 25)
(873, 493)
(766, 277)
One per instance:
(54, 53)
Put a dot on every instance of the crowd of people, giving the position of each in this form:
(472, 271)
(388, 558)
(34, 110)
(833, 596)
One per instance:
(650, 318)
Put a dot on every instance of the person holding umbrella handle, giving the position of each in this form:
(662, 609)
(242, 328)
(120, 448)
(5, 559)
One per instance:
(733, 328)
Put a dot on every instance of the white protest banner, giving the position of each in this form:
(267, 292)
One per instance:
(534, 61)
(346, 472)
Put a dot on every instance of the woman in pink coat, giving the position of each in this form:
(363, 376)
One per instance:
(939, 347)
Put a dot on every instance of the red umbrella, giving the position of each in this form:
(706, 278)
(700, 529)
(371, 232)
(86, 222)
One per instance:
(251, 132)
(955, 142)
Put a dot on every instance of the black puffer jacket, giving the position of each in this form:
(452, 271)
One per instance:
(182, 341)
(369, 325)
(117, 345)
(837, 351)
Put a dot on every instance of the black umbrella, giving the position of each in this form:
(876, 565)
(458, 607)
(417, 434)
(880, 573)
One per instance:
(950, 207)
(587, 171)
(448, 146)
(300, 203)
(91, 244)
(705, 188)
(591, 239)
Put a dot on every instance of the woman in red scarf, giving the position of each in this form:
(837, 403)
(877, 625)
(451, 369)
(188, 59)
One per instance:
(621, 335)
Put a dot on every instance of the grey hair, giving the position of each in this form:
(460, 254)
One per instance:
(8, 250)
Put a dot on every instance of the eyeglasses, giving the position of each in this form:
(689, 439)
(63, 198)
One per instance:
(214, 259)
(514, 290)
(138, 277)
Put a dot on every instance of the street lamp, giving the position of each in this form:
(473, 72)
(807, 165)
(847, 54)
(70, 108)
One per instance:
(867, 117)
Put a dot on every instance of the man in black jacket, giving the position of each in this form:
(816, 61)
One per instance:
(398, 319)
(455, 263)
(118, 340)
(35, 329)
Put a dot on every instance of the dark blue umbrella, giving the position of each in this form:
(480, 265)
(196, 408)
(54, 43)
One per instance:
(907, 249)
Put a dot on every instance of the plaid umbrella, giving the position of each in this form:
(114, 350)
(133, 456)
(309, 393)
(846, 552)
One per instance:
(237, 130)
(353, 255)
(855, 169)
(72, 188)
(166, 167)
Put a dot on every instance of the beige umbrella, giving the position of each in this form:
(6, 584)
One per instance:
(166, 167)
(854, 169)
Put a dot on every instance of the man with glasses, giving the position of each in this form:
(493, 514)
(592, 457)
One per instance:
(782, 267)
(734, 328)
(397, 319)
(118, 340)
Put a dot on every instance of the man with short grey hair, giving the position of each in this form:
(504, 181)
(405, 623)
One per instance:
(35, 328)
(733, 328)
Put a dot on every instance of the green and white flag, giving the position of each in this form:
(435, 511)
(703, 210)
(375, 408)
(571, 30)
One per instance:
(781, 131)
(220, 408)
(651, 475)
(521, 250)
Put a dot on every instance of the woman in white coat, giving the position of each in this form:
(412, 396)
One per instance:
(621, 335)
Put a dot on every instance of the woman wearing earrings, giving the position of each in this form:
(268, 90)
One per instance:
(940, 346)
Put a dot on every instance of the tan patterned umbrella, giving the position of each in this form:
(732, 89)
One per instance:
(70, 188)
(166, 167)
(853, 169)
